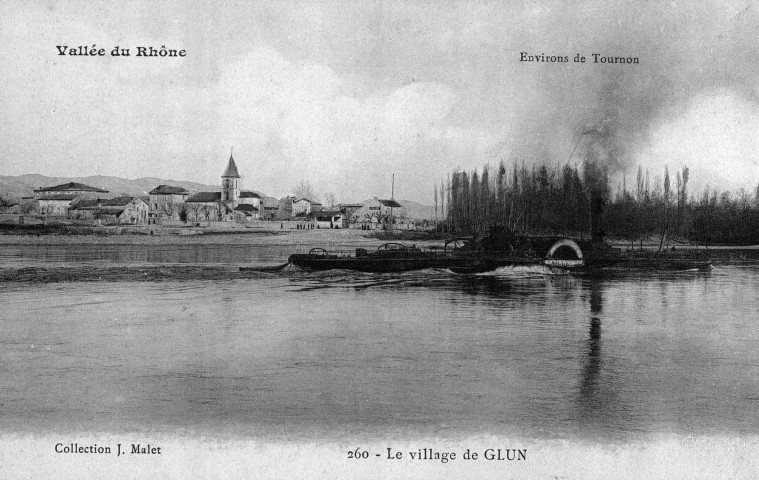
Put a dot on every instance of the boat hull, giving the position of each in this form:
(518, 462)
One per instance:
(378, 265)
(396, 257)
(456, 263)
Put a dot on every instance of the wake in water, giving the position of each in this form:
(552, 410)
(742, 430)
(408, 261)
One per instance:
(306, 279)
(153, 273)
(183, 272)
(524, 271)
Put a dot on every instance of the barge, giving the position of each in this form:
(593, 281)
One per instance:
(468, 256)
(389, 257)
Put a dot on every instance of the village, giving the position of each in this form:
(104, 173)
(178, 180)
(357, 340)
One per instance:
(230, 207)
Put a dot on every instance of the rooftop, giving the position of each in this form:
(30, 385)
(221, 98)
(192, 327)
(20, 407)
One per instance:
(71, 187)
(87, 204)
(249, 194)
(389, 203)
(168, 190)
(244, 207)
(109, 211)
(119, 201)
(204, 197)
(231, 171)
(328, 214)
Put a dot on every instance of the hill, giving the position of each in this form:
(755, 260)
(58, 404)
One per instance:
(24, 185)
(417, 211)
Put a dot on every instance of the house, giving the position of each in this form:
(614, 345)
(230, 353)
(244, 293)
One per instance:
(249, 204)
(377, 213)
(329, 219)
(55, 205)
(350, 211)
(284, 209)
(166, 201)
(270, 212)
(123, 210)
(83, 209)
(55, 201)
(388, 204)
(302, 207)
(206, 207)
(250, 198)
(246, 212)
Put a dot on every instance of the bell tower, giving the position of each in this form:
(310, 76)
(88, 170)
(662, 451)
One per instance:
(230, 188)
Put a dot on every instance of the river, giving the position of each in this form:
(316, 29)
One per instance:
(176, 338)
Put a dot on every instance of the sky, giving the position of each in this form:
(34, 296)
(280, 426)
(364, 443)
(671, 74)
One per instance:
(344, 94)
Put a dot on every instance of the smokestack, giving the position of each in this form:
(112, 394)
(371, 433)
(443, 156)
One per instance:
(596, 178)
(597, 217)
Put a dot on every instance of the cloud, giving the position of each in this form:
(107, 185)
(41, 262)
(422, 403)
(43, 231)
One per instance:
(716, 137)
(345, 97)
(300, 115)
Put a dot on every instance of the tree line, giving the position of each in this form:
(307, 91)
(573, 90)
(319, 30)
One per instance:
(558, 200)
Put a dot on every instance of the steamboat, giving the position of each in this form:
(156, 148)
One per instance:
(503, 249)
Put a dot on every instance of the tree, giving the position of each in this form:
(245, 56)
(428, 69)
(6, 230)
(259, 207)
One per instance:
(28, 206)
(665, 223)
(194, 211)
(678, 201)
(169, 208)
(206, 212)
(744, 199)
(442, 198)
(304, 189)
(475, 203)
(666, 185)
(330, 199)
(435, 196)
(500, 193)
(448, 200)
(682, 196)
(485, 199)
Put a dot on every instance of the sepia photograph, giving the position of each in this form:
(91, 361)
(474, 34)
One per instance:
(379, 239)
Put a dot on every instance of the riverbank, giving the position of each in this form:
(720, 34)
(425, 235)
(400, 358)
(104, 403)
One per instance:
(287, 234)
(160, 237)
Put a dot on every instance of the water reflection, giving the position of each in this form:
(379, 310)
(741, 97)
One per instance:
(597, 393)
(590, 397)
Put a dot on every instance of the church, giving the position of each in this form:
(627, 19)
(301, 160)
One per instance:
(230, 204)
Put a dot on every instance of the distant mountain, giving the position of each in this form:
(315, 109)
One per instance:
(24, 185)
(416, 210)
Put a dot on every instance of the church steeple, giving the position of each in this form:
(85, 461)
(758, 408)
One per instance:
(230, 191)
(231, 171)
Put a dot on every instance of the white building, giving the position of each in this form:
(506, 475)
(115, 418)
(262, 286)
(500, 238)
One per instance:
(303, 207)
(167, 201)
(55, 201)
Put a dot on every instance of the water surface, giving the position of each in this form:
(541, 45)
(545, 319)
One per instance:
(178, 339)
